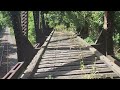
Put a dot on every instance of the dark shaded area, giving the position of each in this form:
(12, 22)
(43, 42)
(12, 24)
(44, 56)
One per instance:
(25, 50)
(101, 41)
(4, 56)
(105, 39)
(116, 61)
(110, 31)
(83, 31)
(41, 32)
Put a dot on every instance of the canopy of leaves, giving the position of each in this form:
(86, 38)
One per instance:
(77, 20)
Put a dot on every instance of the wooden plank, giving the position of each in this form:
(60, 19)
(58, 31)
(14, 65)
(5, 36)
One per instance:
(64, 57)
(72, 44)
(67, 56)
(116, 77)
(63, 44)
(67, 47)
(70, 64)
(73, 72)
(97, 76)
(70, 60)
(103, 75)
(66, 67)
(63, 51)
(68, 53)
(58, 60)
(114, 60)
(33, 65)
(111, 58)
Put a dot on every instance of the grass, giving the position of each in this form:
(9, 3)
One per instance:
(82, 66)
(11, 31)
(63, 28)
(118, 56)
(117, 51)
(92, 73)
(89, 40)
(49, 77)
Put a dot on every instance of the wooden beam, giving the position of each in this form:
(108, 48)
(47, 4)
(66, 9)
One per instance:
(34, 63)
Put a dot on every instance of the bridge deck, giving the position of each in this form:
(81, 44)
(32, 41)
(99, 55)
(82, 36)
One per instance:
(66, 58)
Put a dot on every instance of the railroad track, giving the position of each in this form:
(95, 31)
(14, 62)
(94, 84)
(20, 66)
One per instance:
(4, 52)
(8, 52)
(67, 56)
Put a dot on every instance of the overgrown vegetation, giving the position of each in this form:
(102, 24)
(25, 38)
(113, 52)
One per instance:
(4, 20)
(49, 77)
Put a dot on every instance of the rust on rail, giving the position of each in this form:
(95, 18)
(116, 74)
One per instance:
(15, 71)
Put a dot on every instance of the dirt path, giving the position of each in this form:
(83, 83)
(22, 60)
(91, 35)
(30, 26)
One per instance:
(8, 52)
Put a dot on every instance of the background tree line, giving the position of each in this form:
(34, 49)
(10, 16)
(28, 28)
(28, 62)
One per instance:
(87, 24)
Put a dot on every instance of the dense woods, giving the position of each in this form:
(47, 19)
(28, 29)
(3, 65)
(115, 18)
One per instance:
(87, 24)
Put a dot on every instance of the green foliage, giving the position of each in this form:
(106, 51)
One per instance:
(89, 40)
(11, 31)
(49, 77)
(116, 39)
(79, 21)
(4, 19)
(31, 28)
(76, 21)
